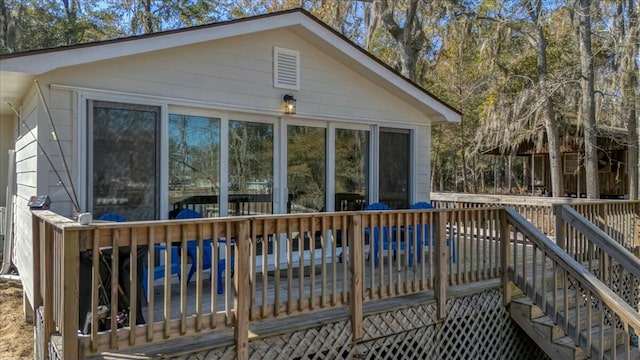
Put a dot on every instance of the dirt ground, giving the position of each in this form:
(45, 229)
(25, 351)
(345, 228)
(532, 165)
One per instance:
(16, 336)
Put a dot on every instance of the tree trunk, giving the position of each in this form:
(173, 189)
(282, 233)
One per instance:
(5, 43)
(71, 10)
(409, 38)
(588, 100)
(508, 171)
(548, 113)
(630, 84)
(148, 17)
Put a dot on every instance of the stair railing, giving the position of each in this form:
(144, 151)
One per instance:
(571, 296)
(599, 253)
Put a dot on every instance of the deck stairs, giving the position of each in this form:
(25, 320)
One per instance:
(557, 345)
(600, 336)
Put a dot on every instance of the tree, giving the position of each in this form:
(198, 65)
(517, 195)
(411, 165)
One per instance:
(409, 38)
(630, 73)
(588, 109)
(555, 162)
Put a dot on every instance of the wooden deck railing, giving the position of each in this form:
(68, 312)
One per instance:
(570, 295)
(620, 219)
(537, 210)
(609, 261)
(270, 266)
(617, 218)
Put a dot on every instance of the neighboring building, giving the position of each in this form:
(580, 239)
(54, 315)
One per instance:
(196, 116)
(612, 160)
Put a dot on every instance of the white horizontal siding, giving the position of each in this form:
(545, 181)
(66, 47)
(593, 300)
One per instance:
(26, 186)
(239, 71)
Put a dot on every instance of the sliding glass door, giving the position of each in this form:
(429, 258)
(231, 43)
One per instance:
(250, 168)
(351, 169)
(194, 164)
(394, 171)
(123, 162)
(306, 164)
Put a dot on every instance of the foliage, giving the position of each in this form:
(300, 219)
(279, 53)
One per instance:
(477, 55)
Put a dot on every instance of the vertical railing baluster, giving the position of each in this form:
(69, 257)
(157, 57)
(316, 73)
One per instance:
(183, 279)
(151, 256)
(312, 275)
(289, 242)
(356, 260)
(199, 279)
(167, 284)
(505, 256)
(133, 286)
(241, 282)
(459, 239)
(276, 270)
(95, 284)
(440, 289)
(115, 275)
(344, 229)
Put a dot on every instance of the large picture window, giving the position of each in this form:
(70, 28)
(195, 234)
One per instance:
(123, 163)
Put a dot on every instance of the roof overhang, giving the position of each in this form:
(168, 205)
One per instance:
(18, 70)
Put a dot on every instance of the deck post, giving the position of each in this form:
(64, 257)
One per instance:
(440, 286)
(39, 241)
(70, 274)
(561, 240)
(356, 252)
(636, 229)
(242, 268)
(506, 260)
(36, 257)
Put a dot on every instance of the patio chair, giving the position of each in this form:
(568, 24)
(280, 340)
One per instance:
(424, 239)
(207, 255)
(112, 217)
(377, 237)
(159, 270)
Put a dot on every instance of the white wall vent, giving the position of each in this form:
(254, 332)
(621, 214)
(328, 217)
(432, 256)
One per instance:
(286, 68)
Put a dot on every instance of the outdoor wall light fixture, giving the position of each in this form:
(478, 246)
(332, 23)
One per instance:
(289, 104)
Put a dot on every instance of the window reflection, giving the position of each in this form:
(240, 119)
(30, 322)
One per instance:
(394, 168)
(352, 169)
(194, 164)
(306, 168)
(250, 168)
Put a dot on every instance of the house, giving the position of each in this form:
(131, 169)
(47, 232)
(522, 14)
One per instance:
(267, 114)
(612, 161)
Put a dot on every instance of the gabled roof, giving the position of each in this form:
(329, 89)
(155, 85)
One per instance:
(18, 70)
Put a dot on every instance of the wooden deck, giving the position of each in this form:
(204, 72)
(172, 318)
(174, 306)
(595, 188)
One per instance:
(475, 260)
(465, 246)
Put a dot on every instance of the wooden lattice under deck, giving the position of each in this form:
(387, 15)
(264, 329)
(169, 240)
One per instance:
(477, 326)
